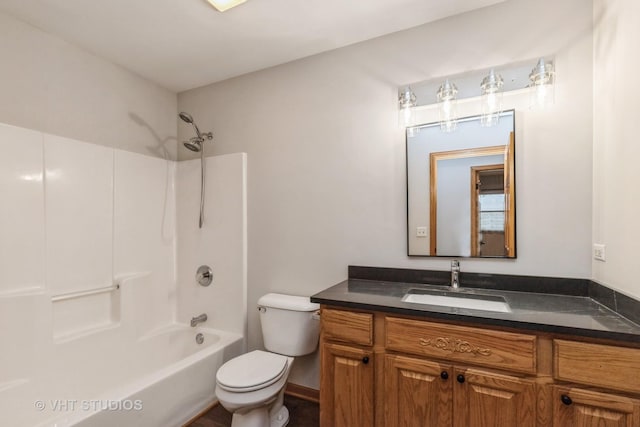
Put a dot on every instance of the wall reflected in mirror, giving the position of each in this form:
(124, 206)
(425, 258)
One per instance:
(461, 189)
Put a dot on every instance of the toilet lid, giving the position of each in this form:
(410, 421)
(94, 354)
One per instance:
(251, 371)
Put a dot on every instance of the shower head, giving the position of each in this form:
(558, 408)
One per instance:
(194, 144)
(186, 117)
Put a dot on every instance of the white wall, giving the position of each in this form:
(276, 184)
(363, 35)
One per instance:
(221, 243)
(52, 86)
(145, 236)
(326, 160)
(109, 214)
(616, 199)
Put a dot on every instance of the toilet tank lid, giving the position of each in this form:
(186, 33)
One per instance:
(288, 302)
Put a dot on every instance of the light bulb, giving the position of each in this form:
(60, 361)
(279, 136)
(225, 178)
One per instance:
(491, 99)
(541, 86)
(406, 102)
(448, 106)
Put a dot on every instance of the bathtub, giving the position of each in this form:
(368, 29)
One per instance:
(165, 379)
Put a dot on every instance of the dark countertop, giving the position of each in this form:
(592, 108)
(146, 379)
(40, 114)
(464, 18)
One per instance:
(543, 312)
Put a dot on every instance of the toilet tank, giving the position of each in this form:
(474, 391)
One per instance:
(290, 324)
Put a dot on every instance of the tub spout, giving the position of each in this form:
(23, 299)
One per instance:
(198, 319)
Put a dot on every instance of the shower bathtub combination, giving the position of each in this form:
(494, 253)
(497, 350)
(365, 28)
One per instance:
(97, 290)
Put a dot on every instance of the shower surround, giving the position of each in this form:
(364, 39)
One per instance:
(98, 253)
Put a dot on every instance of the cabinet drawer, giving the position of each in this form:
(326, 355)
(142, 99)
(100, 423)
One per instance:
(347, 326)
(607, 366)
(483, 347)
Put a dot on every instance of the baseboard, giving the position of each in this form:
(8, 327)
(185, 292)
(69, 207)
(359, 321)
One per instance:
(302, 392)
(200, 414)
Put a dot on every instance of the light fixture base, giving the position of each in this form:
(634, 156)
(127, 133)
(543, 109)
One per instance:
(222, 5)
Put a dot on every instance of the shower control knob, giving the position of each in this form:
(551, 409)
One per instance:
(204, 275)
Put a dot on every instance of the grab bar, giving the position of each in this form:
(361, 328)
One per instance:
(77, 294)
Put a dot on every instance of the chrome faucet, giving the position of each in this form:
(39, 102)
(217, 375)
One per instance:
(198, 319)
(455, 273)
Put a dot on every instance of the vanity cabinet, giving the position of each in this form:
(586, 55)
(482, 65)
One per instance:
(383, 369)
(347, 365)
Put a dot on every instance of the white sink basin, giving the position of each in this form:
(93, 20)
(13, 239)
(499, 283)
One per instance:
(452, 299)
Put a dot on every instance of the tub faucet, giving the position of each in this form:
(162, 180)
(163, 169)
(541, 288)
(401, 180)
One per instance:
(198, 319)
(455, 273)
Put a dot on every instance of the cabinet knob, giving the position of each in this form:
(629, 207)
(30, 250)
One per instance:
(365, 360)
(566, 399)
(460, 378)
(444, 375)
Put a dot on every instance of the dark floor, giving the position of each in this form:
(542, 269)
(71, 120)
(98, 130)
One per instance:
(302, 413)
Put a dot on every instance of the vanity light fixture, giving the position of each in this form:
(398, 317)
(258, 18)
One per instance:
(491, 99)
(223, 5)
(541, 86)
(446, 96)
(406, 102)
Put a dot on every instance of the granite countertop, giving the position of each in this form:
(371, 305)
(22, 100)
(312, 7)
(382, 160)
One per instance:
(543, 312)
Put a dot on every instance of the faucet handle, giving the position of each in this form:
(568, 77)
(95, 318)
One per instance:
(204, 275)
(455, 263)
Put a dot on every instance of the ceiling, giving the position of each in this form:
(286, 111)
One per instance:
(182, 44)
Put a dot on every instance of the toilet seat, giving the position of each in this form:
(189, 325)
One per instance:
(251, 371)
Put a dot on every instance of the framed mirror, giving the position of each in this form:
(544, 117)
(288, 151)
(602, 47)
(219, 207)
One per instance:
(461, 189)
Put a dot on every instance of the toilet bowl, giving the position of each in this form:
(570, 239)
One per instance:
(251, 386)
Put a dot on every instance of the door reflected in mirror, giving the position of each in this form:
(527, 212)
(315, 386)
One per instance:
(461, 190)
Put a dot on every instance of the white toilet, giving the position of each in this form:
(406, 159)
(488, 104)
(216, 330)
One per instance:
(251, 386)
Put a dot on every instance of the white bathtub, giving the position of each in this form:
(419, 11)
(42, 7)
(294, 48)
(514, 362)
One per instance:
(164, 379)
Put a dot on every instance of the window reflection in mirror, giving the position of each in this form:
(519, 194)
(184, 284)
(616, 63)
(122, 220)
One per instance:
(461, 190)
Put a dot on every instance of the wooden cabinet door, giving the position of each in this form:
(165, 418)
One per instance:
(346, 389)
(574, 407)
(484, 399)
(417, 392)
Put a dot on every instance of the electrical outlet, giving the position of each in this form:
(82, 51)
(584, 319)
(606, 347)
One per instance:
(598, 252)
(421, 231)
